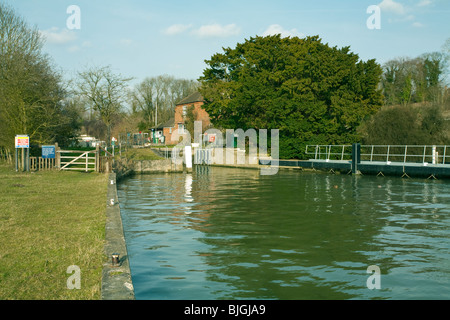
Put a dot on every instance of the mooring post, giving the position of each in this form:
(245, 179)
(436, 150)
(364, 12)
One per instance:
(356, 157)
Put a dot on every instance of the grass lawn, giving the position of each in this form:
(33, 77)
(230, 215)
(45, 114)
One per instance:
(140, 154)
(50, 220)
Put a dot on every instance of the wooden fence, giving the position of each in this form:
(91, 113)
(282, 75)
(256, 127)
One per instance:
(39, 163)
(98, 160)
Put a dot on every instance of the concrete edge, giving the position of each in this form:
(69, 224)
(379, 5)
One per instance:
(116, 279)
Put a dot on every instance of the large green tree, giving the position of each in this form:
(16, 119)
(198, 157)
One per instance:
(311, 92)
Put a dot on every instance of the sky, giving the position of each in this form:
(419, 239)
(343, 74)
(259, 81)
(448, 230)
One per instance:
(142, 39)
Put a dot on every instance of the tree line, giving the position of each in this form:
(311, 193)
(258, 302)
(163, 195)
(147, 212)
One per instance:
(312, 92)
(416, 108)
(318, 94)
(36, 100)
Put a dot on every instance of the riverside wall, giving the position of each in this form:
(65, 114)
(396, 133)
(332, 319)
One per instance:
(116, 277)
(126, 167)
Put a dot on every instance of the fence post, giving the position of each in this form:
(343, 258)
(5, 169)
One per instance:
(356, 157)
(27, 162)
(424, 152)
(433, 155)
(406, 148)
(97, 158)
(387, 155)
(443, 158)
(57, 156)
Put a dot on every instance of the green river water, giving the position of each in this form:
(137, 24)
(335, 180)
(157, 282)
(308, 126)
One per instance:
(225, 233)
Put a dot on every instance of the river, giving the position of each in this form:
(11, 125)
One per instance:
(226, 233)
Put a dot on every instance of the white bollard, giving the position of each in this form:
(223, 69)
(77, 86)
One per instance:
(188, 156)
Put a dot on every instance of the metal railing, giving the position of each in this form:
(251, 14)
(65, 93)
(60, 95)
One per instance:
(330, 152)
(176, 154)
(433, 154)
(203, 156)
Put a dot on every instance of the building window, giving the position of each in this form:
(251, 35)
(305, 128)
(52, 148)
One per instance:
(180, 128)
(184, 112)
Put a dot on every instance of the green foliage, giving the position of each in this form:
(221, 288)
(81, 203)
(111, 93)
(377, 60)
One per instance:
(414, 91)
(311, 92)
(406, 125)
(406, 81)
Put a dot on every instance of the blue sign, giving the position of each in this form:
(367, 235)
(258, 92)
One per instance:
(48, 152)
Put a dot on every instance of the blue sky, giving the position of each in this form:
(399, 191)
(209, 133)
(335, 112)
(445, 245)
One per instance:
(148, 38)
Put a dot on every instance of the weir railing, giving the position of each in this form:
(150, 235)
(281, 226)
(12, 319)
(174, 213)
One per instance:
(424, 154)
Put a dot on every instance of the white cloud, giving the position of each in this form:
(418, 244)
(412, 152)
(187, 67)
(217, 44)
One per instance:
(277, 29)
(417, 24)
(177, 29)
(56, 36)
(424, 3)
(217, 30)
(392, 6)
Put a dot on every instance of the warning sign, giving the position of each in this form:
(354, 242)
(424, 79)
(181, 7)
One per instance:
(22, 141)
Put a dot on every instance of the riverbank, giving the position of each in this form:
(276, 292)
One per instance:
(116, 278)
(144, 161)
(51, 220)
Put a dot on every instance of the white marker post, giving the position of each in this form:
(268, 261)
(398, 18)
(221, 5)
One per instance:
(188, 157)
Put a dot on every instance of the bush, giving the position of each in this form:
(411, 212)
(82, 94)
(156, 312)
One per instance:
(402, 125)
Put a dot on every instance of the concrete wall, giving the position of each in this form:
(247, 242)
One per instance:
(124, 167)
(231, 156)
(116, 279)
(157, 166)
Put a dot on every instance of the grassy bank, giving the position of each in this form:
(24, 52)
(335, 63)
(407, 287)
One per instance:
(140, 154)
(49, 221)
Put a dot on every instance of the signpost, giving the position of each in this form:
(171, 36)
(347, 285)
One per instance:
(48, 152)
(22, 141)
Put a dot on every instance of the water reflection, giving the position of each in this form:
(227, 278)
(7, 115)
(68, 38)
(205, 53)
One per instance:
(222, 233)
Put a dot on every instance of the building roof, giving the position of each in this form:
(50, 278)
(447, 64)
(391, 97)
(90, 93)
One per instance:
(168, 124)
(195, 97)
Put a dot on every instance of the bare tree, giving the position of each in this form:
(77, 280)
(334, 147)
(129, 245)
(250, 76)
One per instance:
(31, 92)
(156, 97)
(105, 91)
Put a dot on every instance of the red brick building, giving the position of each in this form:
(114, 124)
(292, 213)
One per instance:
(173, 135)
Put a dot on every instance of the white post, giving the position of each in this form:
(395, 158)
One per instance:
(434, 155)
(188, 156)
